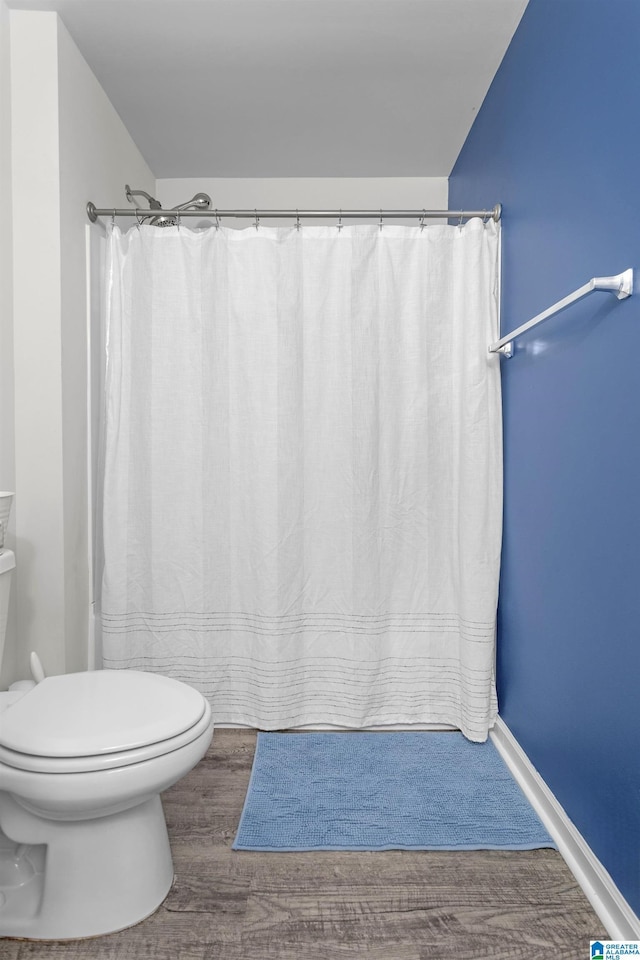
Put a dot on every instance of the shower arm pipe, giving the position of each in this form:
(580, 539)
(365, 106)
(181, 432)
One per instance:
(94, 212)
(621, 285)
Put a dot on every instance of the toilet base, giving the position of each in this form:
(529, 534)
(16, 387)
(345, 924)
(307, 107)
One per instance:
(92, 877)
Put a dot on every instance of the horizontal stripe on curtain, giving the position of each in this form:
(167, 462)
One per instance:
(302, 489)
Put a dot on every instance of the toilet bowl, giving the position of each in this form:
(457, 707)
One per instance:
(83, 759)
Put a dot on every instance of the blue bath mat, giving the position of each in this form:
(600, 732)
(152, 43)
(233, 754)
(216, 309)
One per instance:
(383, 791)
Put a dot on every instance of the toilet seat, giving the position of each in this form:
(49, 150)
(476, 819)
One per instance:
(98, 720)
(34, 763)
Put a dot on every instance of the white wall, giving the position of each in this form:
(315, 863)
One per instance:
(7, 437)
(68, 146)
(319, 193)
(39, 579)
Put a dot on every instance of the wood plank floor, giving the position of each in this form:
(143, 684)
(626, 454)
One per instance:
(395, 905)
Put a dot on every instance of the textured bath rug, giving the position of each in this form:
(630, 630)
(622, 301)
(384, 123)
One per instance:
(383, 791)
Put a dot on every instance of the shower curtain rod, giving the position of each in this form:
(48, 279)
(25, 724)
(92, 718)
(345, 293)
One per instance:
(94, 212)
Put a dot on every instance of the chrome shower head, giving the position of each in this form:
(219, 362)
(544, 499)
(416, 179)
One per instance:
(201, 201)
(161, 221)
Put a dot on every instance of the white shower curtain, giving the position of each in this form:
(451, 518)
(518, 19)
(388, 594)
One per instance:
(302, 489)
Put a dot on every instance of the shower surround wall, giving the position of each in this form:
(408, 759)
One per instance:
(557, 141)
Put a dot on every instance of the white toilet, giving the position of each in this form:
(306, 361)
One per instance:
(83, 759)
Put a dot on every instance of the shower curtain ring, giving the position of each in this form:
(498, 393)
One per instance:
(138, 221)
(460, 221)
(113, 217)
(340, 221)
(217, 220)
(380, 225)
(178, 220)
(297, 219)
(257, 223)
(422, 224)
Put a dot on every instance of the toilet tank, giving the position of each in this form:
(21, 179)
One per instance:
(7, 564)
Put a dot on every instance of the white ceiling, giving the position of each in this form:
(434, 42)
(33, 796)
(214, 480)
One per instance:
(293, 88)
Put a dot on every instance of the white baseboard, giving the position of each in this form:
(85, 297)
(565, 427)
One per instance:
(611, 907)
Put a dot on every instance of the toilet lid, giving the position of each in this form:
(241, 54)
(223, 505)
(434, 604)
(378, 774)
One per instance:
(99, 712)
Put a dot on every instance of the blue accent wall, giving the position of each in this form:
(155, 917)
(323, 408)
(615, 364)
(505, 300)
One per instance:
(557, 141)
